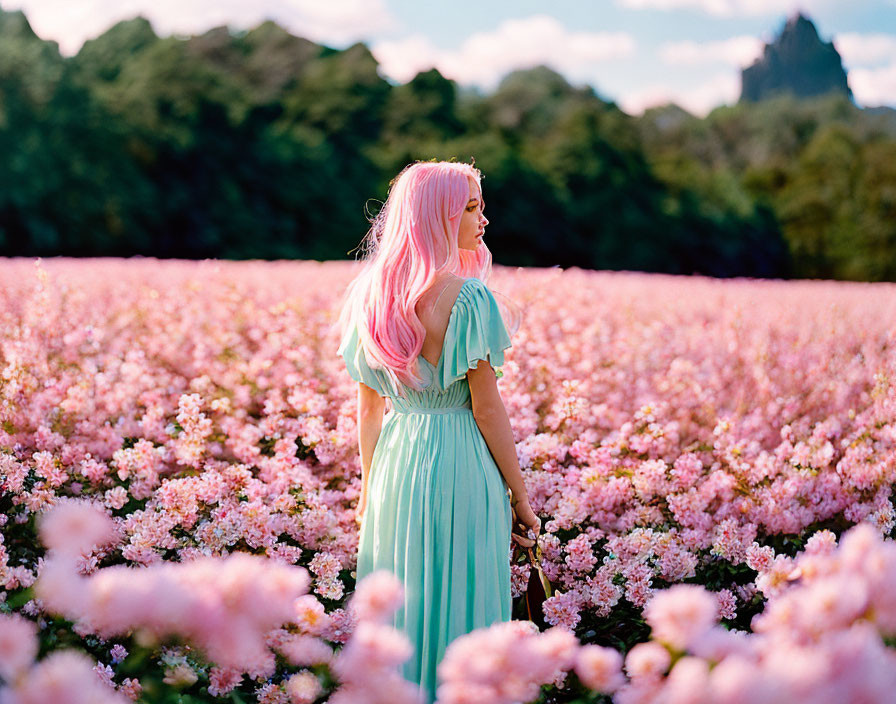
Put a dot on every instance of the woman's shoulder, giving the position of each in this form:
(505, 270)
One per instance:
(441, 292)
(452, 280)
(473, 289)
(472, 293)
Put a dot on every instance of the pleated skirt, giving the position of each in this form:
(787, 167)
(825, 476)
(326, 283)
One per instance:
(438, 517)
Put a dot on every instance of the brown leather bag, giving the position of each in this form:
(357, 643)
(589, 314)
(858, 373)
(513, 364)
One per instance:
(539, 587)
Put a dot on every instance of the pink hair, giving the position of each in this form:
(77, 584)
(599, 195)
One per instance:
(413, 238)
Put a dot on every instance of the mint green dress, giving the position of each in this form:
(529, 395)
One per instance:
(438, 511)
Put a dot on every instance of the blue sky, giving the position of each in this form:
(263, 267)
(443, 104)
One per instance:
(638, 53)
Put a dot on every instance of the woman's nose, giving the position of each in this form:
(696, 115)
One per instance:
(484, 220)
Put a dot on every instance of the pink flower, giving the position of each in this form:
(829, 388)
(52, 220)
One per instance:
(462, 692)
(505, 662)
(74, 526)
(727, 603)
(304, 651)
(180, 675)
(647, 660)
(18, 644)
(303, 688)
(60, 587)
(372, 646)
(390, 689)
(65, 677)
(562, 609)
(340, 625)
(580, 557)
(778, 577)
(556, 645)
(311, 616)
(734, 681)
(828, 604)
(687, 468)
(681, 613)
(599, 668)
(372, 655)
(222, 680)
(688, 681)
(377, 597)
(131, 688)
(326, 567)
(821, 542)
(759, 558)
(718, 643)
(223, 605)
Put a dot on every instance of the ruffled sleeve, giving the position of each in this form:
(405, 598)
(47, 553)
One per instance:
(475, 331)
(353, 354)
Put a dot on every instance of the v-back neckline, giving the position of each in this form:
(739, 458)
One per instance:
(445, 336)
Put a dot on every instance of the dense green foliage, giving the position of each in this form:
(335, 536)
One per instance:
(824, 169)
(260, 144)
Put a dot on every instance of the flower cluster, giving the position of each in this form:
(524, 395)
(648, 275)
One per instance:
(820, 639)
(667, 427)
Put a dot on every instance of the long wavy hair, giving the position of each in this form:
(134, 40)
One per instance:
(411, 240)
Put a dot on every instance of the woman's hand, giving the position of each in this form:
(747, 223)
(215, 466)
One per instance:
(360, 508)
(524, 519)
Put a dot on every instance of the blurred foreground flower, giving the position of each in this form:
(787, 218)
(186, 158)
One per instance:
(368, 665)
(63, 677)
(504, 663)
(820, 638)
(225, 606)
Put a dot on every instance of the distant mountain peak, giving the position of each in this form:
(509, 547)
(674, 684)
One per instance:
(799, 19)
(798, 63)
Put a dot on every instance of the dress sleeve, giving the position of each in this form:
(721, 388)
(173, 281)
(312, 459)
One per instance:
(356, 363)
(475, 331)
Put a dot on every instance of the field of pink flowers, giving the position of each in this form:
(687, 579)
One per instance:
(179, 467)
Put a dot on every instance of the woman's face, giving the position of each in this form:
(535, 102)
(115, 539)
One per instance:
(472, 222)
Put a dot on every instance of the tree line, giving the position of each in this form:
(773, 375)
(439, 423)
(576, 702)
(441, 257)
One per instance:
(263, 145)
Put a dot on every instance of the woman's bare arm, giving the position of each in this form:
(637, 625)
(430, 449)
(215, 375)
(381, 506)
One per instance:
(491, 417)
(371, 407)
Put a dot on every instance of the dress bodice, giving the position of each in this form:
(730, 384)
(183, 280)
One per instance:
(433, 398)
(475, 331)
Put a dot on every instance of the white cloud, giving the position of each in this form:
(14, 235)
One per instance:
(700, 99)
(730, 8)
(874, 86)
(871, 62)
(736, 51)
(336, 22)
(865, 49)
(484, 58)
(402, 59)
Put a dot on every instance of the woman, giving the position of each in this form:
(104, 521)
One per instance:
(421, 328)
